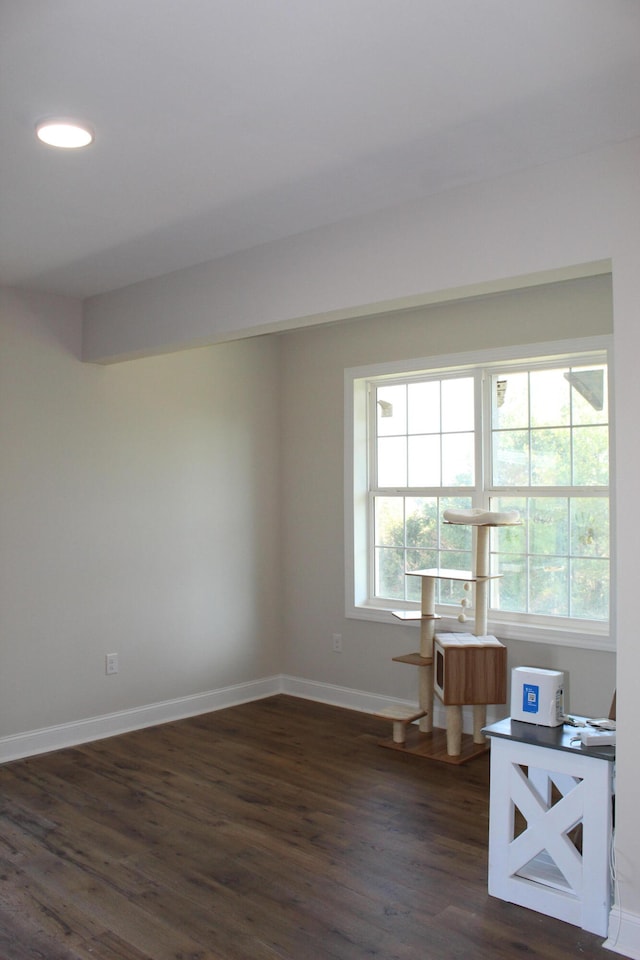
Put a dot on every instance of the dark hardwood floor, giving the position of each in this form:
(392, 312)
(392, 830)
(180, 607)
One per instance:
(276, 830)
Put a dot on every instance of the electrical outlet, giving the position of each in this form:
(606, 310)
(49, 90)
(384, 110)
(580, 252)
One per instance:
(111, 663)
(336, 641)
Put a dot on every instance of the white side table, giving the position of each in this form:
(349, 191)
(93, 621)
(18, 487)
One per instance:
(542, 788)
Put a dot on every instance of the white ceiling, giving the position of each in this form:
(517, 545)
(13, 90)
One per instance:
(222, 124)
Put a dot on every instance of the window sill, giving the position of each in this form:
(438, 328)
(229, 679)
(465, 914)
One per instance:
(503, 629)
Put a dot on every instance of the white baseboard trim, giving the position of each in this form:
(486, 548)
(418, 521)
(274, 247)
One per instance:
(337, 696)
(373, 702)
(33, 742)
(624, 933)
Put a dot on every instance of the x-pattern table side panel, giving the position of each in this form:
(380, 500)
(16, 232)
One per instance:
(547, 828)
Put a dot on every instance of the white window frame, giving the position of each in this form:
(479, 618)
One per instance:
(358, 601)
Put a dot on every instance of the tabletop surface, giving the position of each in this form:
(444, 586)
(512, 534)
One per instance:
(555, 738)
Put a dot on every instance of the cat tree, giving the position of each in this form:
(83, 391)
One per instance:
(459, 668)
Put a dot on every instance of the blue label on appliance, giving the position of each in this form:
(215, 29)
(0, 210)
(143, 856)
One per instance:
(530, 697)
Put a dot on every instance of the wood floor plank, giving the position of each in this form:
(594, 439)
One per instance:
(21, 939)
(275, 830)
(110, 946)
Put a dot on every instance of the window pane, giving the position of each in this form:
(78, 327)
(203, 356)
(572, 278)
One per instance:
(424, 461)
(457, 460)
(510, 591)
(549, 526)
(551, 457)
(392, 462)
(389, 521)
(455, 536)
(512, 539)
(509, 557)
(590, 527)
(391, 409)
(510, 401)
(456, 560)
(591, 456)
(511, 458)
(424, 407)
(548, 586)
(422, 522)
(389, 573)
(457, 405)
(452, 591)
(549, 398)
(589, 394)
(418, 560)
(590, 589)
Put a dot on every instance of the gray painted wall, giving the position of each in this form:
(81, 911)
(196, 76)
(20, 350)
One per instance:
(313, 363)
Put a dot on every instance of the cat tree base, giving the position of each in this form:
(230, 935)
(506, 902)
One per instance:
(433, 746)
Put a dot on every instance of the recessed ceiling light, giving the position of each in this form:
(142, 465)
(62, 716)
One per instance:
(65, 133)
